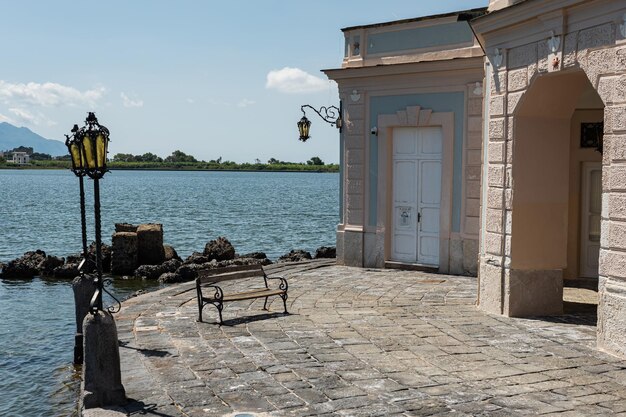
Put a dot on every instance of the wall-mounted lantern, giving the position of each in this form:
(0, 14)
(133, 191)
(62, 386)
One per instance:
(331, 115)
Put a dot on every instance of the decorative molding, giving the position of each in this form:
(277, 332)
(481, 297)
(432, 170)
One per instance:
(497, 58)
(478, 89)
(355, 96)
(554, 42)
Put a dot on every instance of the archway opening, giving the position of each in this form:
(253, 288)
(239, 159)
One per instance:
(557, 190)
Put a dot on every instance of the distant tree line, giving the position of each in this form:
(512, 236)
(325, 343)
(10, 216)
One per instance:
(179, 156)
(178, 160)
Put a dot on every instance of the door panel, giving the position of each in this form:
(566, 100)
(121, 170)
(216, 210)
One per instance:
(416, 194)
(590, 219)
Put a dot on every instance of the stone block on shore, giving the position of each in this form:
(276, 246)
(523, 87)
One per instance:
(125, 227)
(150, 244)
(124, 254)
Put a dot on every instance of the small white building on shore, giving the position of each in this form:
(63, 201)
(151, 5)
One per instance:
(21, 158)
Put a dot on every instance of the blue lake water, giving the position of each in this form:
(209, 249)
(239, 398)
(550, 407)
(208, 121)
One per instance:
(269, 212)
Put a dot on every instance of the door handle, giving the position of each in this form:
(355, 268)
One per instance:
(419, 217)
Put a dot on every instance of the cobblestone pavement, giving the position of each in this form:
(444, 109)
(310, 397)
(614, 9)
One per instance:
(361, 342)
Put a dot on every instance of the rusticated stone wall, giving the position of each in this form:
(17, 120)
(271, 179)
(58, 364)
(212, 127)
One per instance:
(600, 51)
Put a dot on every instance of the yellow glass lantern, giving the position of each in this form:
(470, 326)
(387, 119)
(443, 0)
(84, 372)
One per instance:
(74, 149)
(304, 127)
(94, 141)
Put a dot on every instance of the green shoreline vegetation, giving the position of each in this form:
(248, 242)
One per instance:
(177, 161)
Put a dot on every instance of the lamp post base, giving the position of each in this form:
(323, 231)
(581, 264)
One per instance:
(84, 288)
(102, 379)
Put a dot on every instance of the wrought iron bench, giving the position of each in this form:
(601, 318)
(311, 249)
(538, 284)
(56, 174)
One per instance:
(210, 278)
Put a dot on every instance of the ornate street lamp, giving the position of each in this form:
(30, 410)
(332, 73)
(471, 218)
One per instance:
(92, 141)
(102, 385)
(331, 115)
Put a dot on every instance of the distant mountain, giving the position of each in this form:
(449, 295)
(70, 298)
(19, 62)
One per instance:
(12, 137)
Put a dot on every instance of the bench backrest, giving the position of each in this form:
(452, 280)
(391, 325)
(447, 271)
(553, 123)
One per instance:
(206, 276)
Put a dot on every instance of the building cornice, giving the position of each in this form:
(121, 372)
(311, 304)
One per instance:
(491, 25)
(442, 67)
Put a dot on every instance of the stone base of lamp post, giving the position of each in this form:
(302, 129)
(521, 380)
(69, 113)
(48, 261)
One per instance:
(102, 379)
(83, 287)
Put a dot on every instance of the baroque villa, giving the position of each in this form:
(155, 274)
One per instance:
(492, 142)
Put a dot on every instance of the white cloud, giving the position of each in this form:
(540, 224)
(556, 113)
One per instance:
(128, 102)
(48, 94)
(7, 119)
(294, 80)
(243, 103)
(24, 116)
(191, 101)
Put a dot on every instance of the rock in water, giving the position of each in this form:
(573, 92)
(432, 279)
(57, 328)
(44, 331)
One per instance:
(196, 258)
(253, 255)
(170, 278)
(105, 252)
(220, 250)
(326, 252)
(189, 272)
(25, 267)
(295, 256)
(67, 271)
(170, 253)
(155, 271)
(49, 264)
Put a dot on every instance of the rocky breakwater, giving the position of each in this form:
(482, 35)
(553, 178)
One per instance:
(138, 251)
(217, 253)
(38, 263)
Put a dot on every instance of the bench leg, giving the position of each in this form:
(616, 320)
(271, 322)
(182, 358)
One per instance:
(284, 297)
(200, 312)
(265, 304)
(220, 307)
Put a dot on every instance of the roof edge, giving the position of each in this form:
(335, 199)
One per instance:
(462, 15)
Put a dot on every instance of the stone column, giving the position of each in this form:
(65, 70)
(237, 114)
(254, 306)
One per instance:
(150, 244)
(350, 237)
(84, 288)
(612, 282)
(102, 380)
(124, 253)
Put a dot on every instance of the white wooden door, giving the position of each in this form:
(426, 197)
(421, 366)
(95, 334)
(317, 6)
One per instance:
(590, 216)
(416, 197)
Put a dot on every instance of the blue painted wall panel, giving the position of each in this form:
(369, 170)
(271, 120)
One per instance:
(437, 102)
(425, 37)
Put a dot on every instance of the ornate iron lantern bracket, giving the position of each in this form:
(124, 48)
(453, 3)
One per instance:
(332, 115)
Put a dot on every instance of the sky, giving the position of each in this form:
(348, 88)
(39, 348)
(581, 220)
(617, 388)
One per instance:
(212, 79)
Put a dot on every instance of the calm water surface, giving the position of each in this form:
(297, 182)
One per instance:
(269, 212)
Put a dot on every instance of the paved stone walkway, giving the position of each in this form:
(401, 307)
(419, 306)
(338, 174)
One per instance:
(361, 342)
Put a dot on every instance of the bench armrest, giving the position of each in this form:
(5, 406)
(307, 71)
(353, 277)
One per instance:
(283, 283)
(218, 296)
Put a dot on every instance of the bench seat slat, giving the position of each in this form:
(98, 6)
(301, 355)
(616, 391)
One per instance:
(256, 293)
(227, 277)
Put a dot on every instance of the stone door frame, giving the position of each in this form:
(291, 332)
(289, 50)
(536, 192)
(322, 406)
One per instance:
(415, 116)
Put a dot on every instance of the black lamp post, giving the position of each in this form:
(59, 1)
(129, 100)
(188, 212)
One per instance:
(78, 169)
(88, 149)
(332, 115)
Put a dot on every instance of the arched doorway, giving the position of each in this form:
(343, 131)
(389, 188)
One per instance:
(556, 205)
